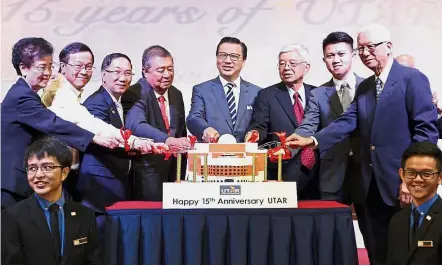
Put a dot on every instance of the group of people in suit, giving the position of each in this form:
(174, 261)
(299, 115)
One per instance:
(347, 136)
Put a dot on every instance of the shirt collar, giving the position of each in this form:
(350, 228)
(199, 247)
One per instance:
(45, 204)
(224, 82)
(166, 95)
(113, 98)
(425, 207)
(301, 92)
(384, 74)
(67, 84)
(350, 80)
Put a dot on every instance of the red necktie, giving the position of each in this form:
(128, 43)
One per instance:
(164, 113)
(307, 154)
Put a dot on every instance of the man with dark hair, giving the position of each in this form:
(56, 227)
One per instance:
(46, 228)
(415, 234)
(104, 173)
(223, 105)
(24, 118)
(326, 104)
(155, 110)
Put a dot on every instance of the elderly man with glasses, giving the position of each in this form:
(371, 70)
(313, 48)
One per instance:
(392, 109)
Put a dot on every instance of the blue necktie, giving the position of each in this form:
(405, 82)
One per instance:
(231, 102)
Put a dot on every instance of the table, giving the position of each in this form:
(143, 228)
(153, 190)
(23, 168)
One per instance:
(318, 232)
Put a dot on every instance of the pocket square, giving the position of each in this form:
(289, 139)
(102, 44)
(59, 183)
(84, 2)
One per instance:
(80, 241)
(249, 107)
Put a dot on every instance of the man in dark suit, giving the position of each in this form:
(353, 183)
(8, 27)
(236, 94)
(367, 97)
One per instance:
(280, 108)
(223, 105)
(156, 111)
(392, 109)
(46, 228)
(415, 234)
(104, 173)
(326, 104)
(24, 118)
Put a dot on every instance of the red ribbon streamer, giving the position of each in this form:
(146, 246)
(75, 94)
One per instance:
(192, 140)
(125, 134)
(273, 153)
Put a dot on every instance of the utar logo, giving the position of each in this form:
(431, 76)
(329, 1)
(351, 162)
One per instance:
(230, 190)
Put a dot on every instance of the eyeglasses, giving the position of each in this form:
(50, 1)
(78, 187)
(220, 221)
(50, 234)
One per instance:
(283, 64)
(45, 168)
(78, 68)
(42, 69)
(370, 47)
(233, 57)
(412, 174)
(118, 74)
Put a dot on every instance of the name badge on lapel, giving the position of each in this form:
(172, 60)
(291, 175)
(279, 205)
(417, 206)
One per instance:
(249, 107)
(80, 241)
(425, 244)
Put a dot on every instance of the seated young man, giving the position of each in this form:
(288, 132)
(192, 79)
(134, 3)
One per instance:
(415, 234)
(46, 228)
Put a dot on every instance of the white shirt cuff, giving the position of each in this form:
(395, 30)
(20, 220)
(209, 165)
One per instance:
(316, 142)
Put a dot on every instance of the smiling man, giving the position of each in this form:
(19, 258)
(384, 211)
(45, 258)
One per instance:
(223, 105)
(46, 228)
(415, 235)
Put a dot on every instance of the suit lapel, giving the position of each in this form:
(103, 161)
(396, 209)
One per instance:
(39, 220)
(423, 228)
(370, 100)
(283, 98)
(389, 86)
(173, 112)
(333, 97)
(220, 96)
(71, 230)
(243, 100)
(114, 116)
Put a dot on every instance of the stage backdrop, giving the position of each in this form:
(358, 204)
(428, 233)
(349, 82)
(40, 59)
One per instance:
(191, 29)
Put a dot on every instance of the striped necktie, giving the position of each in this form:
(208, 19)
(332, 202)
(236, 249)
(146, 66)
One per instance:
(231, 102)
(378, 88)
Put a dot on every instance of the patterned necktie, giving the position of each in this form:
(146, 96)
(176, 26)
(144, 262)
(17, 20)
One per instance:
(231, 102)
(344, 96)
(120, 110)
(378, 88)
(55, 228)
(307, 154)
(162, 101)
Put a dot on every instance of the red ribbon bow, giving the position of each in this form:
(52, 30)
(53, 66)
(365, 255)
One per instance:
(126, 133)
(273, 153)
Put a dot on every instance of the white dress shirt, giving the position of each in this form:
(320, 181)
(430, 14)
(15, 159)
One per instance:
(302, 95)
(384, 74)
(166, 102)
(350, 80)
(67, 106)
(236, 89)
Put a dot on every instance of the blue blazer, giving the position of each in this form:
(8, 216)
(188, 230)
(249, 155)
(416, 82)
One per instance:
(404, 114)
(103, 177)
(323, 108)
(24, 119)
(274, 113)
(209, 109)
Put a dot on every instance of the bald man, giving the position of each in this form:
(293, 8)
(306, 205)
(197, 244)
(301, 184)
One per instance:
(405, 60)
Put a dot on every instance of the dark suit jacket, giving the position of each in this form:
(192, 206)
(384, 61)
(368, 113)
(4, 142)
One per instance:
(439, 127)
(273, 112)
(26, 238)
(24, 119)
(103, 177)
(323, 108)
(399, 249)
(404, 114)
(209, 109)
(145, 120)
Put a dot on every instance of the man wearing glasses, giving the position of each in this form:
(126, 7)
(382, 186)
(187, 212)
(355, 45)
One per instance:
(280, 108)
(46, 228)
(155, 110)
(392, 109)
(223, 105)
(415, 233)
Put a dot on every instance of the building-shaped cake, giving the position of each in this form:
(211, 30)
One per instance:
(226, 163)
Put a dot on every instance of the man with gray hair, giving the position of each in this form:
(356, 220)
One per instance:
(392, 109)
(155, 110)
(280, 108)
